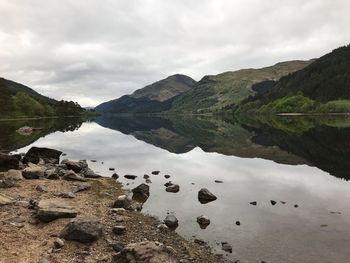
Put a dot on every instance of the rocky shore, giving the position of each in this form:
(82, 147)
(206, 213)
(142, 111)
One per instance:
(61, 211)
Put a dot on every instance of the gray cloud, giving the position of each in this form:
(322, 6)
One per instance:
(92, 51)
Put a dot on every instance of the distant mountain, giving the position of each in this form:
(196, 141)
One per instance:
(20, 101)
(152, 98)
(323, 86)
(218, 92)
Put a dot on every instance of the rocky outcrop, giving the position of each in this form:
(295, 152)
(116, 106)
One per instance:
(148, 251)
(48, 155)
(51, 209)
(83, 230)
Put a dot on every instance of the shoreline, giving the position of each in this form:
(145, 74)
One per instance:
(25, 236)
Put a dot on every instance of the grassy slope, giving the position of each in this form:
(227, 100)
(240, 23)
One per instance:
(220, 91)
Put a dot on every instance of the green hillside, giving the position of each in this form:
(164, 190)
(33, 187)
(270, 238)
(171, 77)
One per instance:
(322, 87)
(153, 98)
(217, 92)
(19, 101)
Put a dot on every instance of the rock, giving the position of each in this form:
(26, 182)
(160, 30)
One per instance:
(88, 173)
(53, 174)
(199, 241)
(174, 188)
(296, 206)
(205, 196)
(41, 188)
(253, 203)
(48, 155)
(15, 175)
(145, 176)
(80, 188)
(5, 200)
(118, 247)
(219, 181)
(122, 202)
(166, 176)
(76, 166)
(65, 195)
(148, 181)
(162, 227)
(8, 162)
(283, 202)
(238, 223)
(119, 230)
(130, 176)
(58, 243)
(171, 221)
(142, 189)
(44, 260)
(273, 202)
(118, 211)
(51, 209)
(33, 172)
(155, 172)
(168, 184)
(226, 247)
(25, 131)
(112, 169)
(147, 251)
(7, 183)
(83, 230)
(115, 176)
(203, 221)
(72, 176)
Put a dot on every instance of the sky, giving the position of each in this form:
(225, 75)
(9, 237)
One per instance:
(91, 51)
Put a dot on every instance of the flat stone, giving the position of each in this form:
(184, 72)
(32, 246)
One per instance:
(65, 194)
(81, 187)
(52, 209)
(41, 188)
(5, 200)
(89, 173)
(173, 188)
(83, 230)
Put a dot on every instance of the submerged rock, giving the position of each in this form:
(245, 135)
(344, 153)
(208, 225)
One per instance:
(203, 221)
(253, 203)
(142, 189)
(273, 202)
(130, 176)
(155, 172)
(83, 230)
(219, 181)
(205, 196)
(173, 188)
(115, 176)
(25, 131)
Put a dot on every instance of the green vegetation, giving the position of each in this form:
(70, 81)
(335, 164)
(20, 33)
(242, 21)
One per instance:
(19, 101)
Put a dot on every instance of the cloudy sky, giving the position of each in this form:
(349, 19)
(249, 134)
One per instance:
(96, 50)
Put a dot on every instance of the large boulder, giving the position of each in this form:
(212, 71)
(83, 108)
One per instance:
(33, 171)
(89, 173)
(147, 251)
(142, 189)
(83, 230)
(51, 209)
(48, 155)
(205, 196)
(8, 162)
(76, 166)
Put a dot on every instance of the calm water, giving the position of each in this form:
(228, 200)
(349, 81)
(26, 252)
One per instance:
(300, 161)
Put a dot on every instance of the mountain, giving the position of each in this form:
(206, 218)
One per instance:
(217, 92)
(152, 98)
(20, 101)
(323, 86)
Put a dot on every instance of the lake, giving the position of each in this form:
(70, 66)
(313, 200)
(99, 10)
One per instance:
(302, 163)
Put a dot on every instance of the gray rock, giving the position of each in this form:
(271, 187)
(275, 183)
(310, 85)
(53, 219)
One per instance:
(155, 172)
(76, 166)
(72, 176)
(145, 176)
(166, 176)
(88, 173)
(52, 209)
(118, 247)
(171, 221)
(119, 230)
(41, 188)
(7, 183)
(48, 155)
(130, 176)
(65, 195)
(33, 172)
(203, 220)
(83, 230)
(5, 200)
(81, 187)
(219, 181)
(15, 175)
(58, 243)
(205, 196)
(115, 176)
(162, 227)
(142, 189)
(273, 202)
(174, 188)
(147, 251)
(253, 203)
(122, 202)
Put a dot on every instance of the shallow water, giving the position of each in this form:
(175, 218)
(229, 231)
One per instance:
(301, 163)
